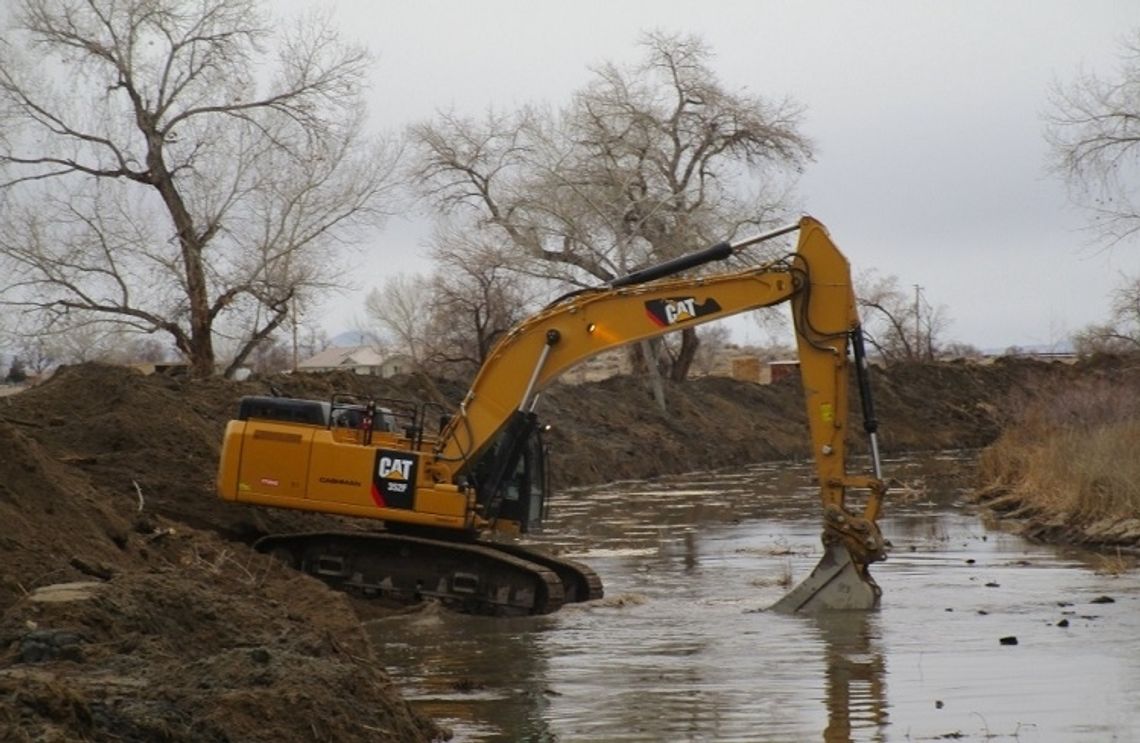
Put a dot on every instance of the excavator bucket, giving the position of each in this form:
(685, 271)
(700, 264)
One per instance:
(836, 583)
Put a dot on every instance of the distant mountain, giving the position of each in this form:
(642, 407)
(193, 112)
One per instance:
(354, 338)
(1033, 349)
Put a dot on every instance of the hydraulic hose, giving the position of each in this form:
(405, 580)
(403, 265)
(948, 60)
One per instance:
(863, 377)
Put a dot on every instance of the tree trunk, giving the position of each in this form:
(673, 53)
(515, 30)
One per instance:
(653, 372)
(690, 342)
(201, 344)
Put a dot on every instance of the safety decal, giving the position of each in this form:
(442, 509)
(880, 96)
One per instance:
(394, 479)
(666, 312)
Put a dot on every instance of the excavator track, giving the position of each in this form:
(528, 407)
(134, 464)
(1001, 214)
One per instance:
(471, 577)
(579, 582)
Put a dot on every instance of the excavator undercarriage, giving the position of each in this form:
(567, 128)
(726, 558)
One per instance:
(473, 577)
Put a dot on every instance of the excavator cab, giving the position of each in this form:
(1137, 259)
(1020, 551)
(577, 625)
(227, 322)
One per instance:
(524, 492)
(510, 478)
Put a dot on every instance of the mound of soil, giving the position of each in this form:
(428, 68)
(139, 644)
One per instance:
(119, 624)
(178, 631)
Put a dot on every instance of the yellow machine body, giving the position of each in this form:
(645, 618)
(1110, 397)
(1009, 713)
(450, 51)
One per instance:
(314, 468)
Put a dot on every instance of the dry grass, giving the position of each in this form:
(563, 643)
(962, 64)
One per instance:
(1114, 564)
(1071, 456)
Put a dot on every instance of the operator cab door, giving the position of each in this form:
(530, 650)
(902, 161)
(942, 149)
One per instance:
(524, 487)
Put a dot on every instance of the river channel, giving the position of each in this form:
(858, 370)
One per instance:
(681, 649)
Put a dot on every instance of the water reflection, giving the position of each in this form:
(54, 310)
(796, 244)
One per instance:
(486, 678)
(856, 670)
(678, 650)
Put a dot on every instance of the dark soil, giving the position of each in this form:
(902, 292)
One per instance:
(186, 634)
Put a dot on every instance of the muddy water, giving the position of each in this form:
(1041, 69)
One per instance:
(679, 651)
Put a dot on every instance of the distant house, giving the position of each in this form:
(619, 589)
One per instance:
(750, 368)
(747, 369)
(357, 359)
(782, 369)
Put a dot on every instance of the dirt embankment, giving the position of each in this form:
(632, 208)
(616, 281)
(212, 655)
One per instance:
(168, 632)
(186, 634)
(612, 429)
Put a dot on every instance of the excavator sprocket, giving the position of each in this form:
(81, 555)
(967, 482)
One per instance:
(471, 577)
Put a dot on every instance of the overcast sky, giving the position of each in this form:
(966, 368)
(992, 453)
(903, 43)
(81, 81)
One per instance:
(926, 116)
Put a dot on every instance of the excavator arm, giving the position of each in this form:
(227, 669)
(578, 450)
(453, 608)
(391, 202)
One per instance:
(815, 279)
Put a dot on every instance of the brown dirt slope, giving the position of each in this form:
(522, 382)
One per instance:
(183, 636)
(107, 477)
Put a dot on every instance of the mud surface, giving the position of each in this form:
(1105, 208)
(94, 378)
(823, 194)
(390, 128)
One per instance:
(184, 633)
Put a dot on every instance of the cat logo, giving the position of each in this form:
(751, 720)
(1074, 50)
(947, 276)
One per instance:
(394, 479)
(679, 310)
(393, 468)
(675, 310)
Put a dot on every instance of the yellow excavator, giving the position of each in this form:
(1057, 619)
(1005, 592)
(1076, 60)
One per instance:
(450, 486)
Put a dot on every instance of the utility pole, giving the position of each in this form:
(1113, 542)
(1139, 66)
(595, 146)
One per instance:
(917, 322)
(293, 313)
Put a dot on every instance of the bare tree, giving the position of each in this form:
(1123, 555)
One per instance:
(714, 347)
(37, 355)
(475, 300)
(160, 172)
(449, 322)
(1101, 338)
(643, 164)
(1094, 132)
(83, 343)
(899, 325)
(96, 342)
(398, 309)
(1121, 334)
(17, 373)
(271, 357)
(959, 350)
(306, 339)
(1093, 128)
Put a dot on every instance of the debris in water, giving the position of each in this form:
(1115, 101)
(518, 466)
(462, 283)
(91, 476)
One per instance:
(466, 685)
(1008, 640)
(1103, 600)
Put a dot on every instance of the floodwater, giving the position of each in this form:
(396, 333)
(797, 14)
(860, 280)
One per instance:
(680, 651)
